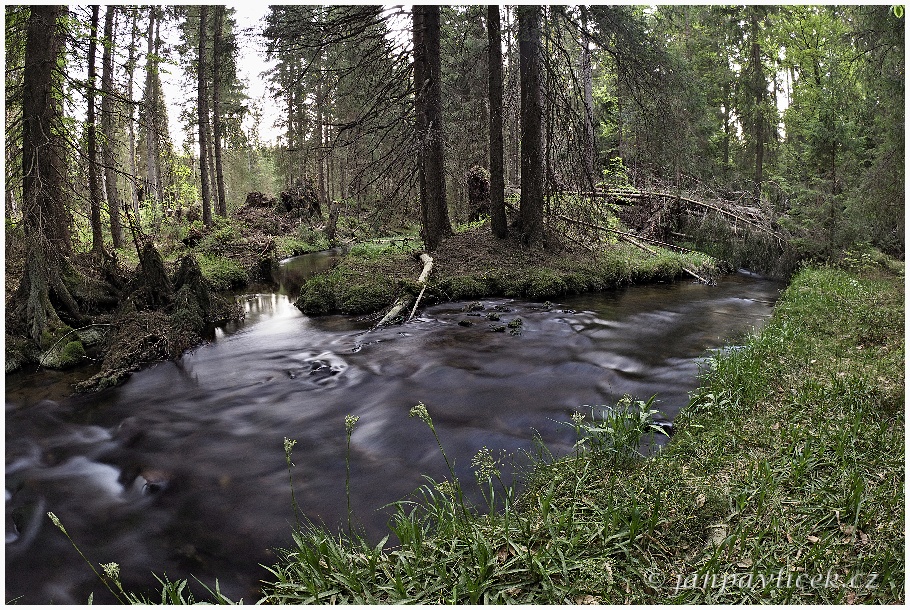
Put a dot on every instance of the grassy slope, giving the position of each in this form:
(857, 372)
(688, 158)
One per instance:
(789, 463)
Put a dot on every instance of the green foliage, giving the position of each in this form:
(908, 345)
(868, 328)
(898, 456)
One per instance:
(865, 257)
(616, 433)
(307, 239)
(346, 291)
(222, 233)
(466, 227)
(615, 174)
(545, 283)
(372, 250)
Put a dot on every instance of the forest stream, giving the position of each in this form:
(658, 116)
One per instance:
(182, 469)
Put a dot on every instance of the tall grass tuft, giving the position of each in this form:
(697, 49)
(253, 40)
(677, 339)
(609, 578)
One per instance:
(172, 592)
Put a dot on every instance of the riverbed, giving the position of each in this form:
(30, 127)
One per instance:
(182, 471)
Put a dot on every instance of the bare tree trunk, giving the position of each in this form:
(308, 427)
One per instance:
(588, 84)
(514, 165)
(213, 176)
(131, 69)
(497, 170)
(151, 115)
(107, 125)
(532, 158)
(726, 146)
(428, 100)
(320, 140)
(94, 180)
(217, 61)
(203, 111)
(758, 84)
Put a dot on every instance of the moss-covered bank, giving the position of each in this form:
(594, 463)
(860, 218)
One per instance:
(784, 483)
(474, 264)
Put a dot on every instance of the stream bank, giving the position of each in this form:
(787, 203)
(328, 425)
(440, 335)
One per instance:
(153, 472)
(473, 264)
(784, 483)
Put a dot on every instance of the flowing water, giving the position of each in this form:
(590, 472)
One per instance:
(182, 469)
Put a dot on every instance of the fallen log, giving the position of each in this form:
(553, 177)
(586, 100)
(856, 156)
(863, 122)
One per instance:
(402, 301)
(618, 232)
(633, 239)
(695, 202)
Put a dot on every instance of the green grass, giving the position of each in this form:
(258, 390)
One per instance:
(784, 483)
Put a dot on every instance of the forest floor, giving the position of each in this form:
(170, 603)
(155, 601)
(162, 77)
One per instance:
(784, 483)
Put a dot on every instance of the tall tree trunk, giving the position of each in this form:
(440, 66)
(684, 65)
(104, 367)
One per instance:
(203, 110)
(151, 115)
(532, 154)
(213, 176)
(726, 146)
(94, 180)
(217, 61)
(428, 100)
(497, 171)
(320, 140)
(587, 79)
(514, 165)
(131, 70)
(107, 126)
(758, 86)
(44, 214)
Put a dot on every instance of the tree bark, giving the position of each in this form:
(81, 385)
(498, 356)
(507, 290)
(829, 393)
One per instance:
(587, 78)
(94, 180)
(217, 61)
(44, 215)
(319, 157)
(428, 101)
(532, 158)
(758, 85)
(107, 126)
(131, 70)
(497, 170)
(203, 111)
(151, 114)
